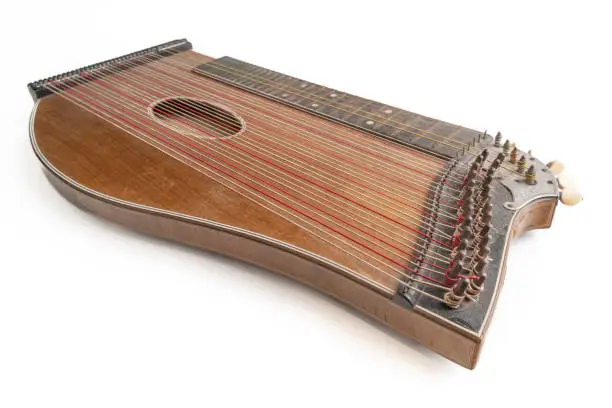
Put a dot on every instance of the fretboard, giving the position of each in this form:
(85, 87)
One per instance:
(401, 126)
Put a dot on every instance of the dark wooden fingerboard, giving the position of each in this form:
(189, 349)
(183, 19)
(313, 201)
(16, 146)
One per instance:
(404, 127)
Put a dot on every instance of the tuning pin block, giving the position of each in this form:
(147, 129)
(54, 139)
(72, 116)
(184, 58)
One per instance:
(456, 295)
(498, 139)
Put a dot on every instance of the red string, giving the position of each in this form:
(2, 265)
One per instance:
(169, 143)
(286, 170)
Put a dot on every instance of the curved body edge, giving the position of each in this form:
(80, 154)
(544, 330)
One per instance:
(104, 170)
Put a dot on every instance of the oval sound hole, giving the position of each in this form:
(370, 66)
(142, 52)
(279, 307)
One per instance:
(197, 118)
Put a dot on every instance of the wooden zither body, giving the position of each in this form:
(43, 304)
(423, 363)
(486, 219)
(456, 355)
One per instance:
(406, 218)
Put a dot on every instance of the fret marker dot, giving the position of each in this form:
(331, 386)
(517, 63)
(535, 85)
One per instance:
(314, 105)
(388, 111)
(333, 95)
(369, 123)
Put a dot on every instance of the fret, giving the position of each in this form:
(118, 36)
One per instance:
(401, 126)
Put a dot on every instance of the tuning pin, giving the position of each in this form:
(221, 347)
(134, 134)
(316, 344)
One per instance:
(460, 256)
(486, 218)
(570, 197)
(498, 139)
(467, 221)
(484, 240)
(501, 157)
(506, 148)
(567, 182)
(530, 176)
(484, 154)
(521, 165)
(467, 194)
(556, 167)
(475, 287)
(484, 252)
(484, 233)
(462, 247)
(475, 165)
(466, 233)
(480, 266)
(453, 274)
(468, 203)
(455, 296)
(514, 155)
(493, 167)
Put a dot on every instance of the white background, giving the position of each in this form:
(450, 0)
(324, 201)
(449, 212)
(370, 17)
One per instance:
(92, 315)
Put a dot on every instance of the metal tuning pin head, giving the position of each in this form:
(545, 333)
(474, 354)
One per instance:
(514, 155)
(480, 267)
(467, 207)
(466, 233)
(467, 194)
(486, 218)
(501, 157)
(456, 295)
(530, 176)
(463, 245)
(555, 167)
(498, 139)
(484, 154)
(570, 197)
(506, 148)
(475, 287)
(453, 274)
(484, 232)
(493, 167)
(475, 165)
(485, 238)
(484, 252)
(521, 165)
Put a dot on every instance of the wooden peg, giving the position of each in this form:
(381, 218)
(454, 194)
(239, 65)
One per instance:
(570, 197)
(555, 167)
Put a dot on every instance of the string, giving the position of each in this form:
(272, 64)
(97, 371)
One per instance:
(353, 112)
(337, 104)
(149, 85)
(422, 276)
(293, 173)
